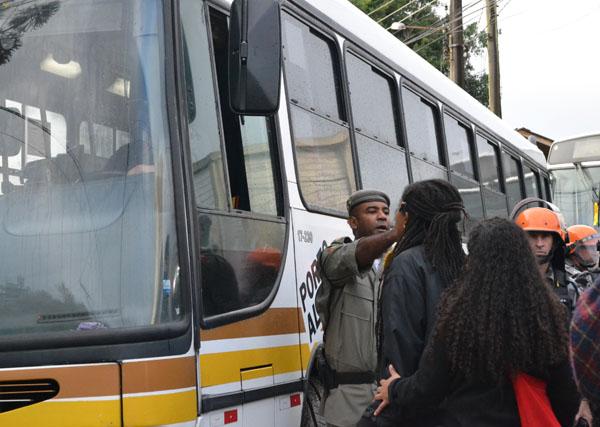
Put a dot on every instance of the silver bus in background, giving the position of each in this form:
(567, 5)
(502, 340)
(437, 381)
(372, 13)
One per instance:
(574, 166)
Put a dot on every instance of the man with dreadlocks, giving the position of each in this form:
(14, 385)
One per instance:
(427, 259)
(346, 303)
(546, 237)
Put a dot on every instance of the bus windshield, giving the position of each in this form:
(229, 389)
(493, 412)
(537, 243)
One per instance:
(87, 227)
(575, 190)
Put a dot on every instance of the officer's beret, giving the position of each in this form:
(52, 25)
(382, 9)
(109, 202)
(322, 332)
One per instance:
(362, 196)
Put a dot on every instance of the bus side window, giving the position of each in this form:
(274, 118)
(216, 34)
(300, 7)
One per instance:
(236, 180)
(373, 102)
(462, 168)
(547, 190)
(532, 183)
(512, 179)
(460, 158)
(490, 177)
(422, 134)
(319, 124)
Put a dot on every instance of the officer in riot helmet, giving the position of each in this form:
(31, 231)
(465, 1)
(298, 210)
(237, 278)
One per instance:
(582, 255)
(346, 303)
(546, 236)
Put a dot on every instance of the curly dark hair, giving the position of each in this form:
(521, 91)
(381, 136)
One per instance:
(500, 317)
(434, 207)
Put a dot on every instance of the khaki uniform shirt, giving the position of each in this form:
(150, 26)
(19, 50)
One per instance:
(350, 343)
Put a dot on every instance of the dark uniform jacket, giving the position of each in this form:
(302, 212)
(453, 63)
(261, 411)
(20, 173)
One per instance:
(409, 297)
(477, 404)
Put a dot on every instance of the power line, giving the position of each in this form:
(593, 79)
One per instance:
(442, 36)
(437, 27)
(380, 7)
(399, 9)
(466, 23)
(418, 10)
(443, 24)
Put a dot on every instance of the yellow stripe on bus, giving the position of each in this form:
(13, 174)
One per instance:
(159, 409)
(223, 368)
(65, 414)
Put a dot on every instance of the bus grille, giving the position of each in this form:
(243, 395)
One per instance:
(17, 394)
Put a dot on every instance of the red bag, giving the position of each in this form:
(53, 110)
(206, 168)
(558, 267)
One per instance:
(533, 403)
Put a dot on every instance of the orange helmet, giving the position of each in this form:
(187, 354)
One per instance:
(541, 219)
(581, 235)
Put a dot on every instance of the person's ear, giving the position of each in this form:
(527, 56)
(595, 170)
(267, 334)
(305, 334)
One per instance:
(353, 222)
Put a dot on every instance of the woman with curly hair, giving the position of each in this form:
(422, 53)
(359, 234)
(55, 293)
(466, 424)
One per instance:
(498, 320)
(427, 259)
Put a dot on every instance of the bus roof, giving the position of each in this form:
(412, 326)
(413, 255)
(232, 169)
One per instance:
(578, 149)
(344, 16)
(417, 69)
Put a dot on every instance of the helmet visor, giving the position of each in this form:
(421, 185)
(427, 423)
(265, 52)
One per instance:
(587, 251)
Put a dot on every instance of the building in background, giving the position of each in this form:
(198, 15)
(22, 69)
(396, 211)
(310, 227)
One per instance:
(541, 141)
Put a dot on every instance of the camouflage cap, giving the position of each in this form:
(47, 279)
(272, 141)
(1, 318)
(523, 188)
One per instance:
(362, 196)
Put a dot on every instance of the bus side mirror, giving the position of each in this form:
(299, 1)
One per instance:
(254, 57)
(12, 131)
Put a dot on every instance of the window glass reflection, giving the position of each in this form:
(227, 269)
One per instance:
(471, 195)
(459, 147)
(240, 260)
(382, 167)
(512, 179)
(324, 160)
(488, 163)
(86, 204)
(372, 97)
(421, 130)
(311, 68)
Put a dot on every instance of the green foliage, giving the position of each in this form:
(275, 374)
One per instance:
(431, 44)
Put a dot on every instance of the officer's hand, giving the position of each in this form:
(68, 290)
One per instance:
(383, 391)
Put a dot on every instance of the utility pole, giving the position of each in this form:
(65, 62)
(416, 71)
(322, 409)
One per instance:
(493, 58)
(457, 48)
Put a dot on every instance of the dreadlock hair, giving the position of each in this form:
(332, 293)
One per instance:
(434, 207)
(500, 317)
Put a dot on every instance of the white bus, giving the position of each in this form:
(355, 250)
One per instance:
(574, 166)
(158, 251)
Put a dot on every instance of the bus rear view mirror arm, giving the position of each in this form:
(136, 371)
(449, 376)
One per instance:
(254, 57)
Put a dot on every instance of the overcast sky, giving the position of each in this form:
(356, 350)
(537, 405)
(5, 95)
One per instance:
(549, 65)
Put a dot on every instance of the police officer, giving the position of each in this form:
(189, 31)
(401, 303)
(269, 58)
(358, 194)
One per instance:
(582, 255)
(346, 302)
(546, 237)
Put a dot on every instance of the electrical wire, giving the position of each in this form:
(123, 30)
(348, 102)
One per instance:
(465, 24)
(378, 8)
(443, 22)
(437, 27)
(399, 9)
(418, 10)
